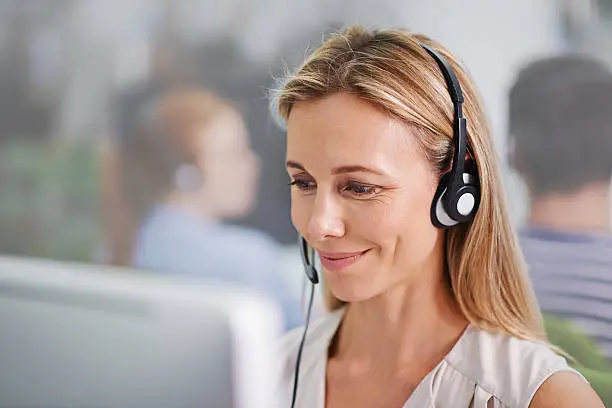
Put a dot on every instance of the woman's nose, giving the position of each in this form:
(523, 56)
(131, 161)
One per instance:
(326, 219)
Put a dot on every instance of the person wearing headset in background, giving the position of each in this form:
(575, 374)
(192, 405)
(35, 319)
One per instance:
(188, 172)
(396, 187)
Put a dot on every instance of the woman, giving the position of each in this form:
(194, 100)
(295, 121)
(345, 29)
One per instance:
(430, 301)
(188, 173)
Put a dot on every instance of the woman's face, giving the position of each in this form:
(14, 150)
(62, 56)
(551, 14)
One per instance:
(361, 195)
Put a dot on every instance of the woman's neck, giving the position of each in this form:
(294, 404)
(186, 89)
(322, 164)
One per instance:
(417, 322)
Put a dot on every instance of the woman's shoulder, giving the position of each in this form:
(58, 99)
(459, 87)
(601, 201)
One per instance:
(509, 368)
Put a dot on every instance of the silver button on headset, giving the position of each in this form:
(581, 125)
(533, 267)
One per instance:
(465, 204)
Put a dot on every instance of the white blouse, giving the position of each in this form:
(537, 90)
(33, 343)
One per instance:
(483, 369)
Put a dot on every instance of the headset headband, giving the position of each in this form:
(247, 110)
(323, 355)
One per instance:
(459, 123)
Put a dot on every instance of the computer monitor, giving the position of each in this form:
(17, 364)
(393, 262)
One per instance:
(75, 335)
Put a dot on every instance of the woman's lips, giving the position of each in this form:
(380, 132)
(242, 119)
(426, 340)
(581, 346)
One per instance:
(335, 261)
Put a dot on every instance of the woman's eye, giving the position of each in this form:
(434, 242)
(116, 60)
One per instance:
(360, 189)
(303, 184)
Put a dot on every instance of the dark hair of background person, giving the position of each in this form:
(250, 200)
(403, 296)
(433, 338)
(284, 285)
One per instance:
(560, 124)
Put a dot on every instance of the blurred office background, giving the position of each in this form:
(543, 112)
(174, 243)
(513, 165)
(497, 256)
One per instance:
(77, 75)
(65, 64)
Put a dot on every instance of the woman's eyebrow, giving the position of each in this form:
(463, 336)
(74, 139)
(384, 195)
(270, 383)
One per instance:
(294, 165)
(354, 168)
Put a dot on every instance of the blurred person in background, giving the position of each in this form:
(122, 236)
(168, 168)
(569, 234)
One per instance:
(168, 67)
(186, 173)
(561, 144)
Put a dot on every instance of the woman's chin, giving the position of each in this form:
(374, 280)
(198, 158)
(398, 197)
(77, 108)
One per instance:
(351, 292)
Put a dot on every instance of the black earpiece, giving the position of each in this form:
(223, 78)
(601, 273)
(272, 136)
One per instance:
(307, 254)
(448, 208)
(458, 194)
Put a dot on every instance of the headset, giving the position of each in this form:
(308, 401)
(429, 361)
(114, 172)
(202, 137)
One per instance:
(456, 200)
(458, 194)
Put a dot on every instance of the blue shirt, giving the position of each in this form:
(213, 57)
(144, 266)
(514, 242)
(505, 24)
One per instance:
(175, 242)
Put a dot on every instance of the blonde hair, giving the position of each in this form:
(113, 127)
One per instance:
(390, 70)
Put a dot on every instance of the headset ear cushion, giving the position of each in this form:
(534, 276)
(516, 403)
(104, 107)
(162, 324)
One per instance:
(438, 214)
